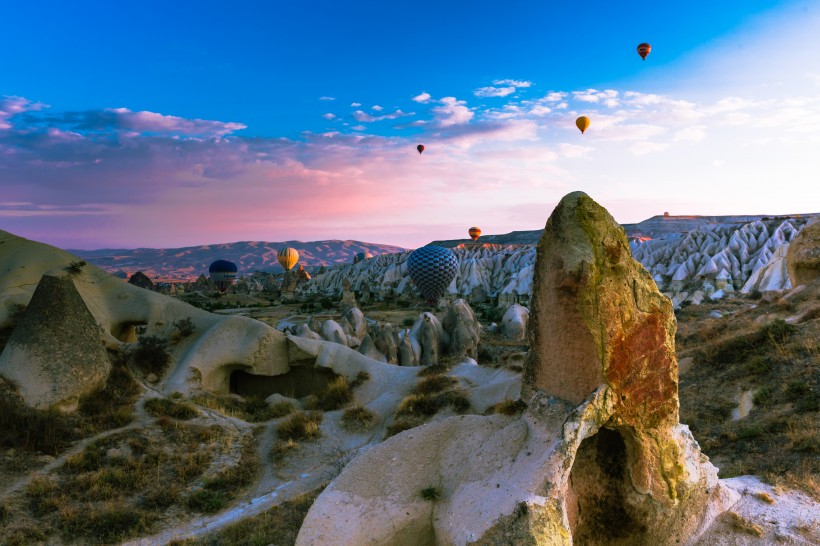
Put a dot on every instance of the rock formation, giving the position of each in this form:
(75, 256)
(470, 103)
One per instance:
(463, 328)
(598, 457)
(803, 258)
(514, 322)
(55, 355)
(387, 343)
(141, 279)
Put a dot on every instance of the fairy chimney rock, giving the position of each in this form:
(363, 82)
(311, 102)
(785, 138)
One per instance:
(598, 319)
(55, 354)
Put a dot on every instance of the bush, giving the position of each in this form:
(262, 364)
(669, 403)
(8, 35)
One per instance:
(509, 407)
(300, 426)
(159, 407)
(434, 383)
(48, 431)
(75, 267)
(152, 355)
(185, 327)
(336, 395)
(430, 493)
(357, 418)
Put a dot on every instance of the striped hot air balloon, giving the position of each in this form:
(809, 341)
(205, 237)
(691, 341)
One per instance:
(475, 233)
(643, 50)
(223, 274)
(361, 256)
(432, 268)
(287, 258)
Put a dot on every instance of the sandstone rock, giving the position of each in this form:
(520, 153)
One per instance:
(141, 279)
(463, 328)
(348, 297)
(514, 322)
(358, 324)
(803, 257)
(332, 331)
(55, 354)
(303, 330)
(407, 356)
(605, 463)
(368, 349)
(387, 343)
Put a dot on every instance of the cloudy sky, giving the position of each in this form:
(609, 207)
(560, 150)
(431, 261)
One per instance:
(140, 125)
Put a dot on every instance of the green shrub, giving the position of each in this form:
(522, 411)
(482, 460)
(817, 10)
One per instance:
(764, 396)
(207, 501)
(185, 327)
(152, 355)
(430, 494)
(75, 268)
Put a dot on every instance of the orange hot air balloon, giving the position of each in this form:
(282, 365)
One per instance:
(474, 232)
(582, 123)
(420, 148)
(643, 50)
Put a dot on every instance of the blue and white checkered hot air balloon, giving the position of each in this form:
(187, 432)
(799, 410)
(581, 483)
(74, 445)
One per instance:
(432, 269)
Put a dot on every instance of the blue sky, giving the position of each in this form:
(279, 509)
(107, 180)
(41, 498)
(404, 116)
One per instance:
(123, 124)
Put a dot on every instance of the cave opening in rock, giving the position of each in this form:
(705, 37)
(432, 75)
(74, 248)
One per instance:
(298, 382)
(128, 332)
(597, 499)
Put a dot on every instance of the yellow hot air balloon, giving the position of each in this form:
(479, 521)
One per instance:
(287, 258)
(582, 123)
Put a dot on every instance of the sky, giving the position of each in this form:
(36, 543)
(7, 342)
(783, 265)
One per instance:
(147, 124)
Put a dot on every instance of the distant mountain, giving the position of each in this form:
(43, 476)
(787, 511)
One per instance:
(655, 227)
(249, 256)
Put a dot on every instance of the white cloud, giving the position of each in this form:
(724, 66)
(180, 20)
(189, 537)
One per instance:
(513, 83)
(452, 112)
(327, 98)
(377, 108)
(694, 133)
(355, 104)
(329, 116)
(646, 147)
(422, 97)
(494, 91)
(358, 127)
(364, 117)
(555, 96)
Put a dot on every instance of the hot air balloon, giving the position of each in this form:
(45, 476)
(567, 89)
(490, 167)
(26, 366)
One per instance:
(287, 258)
(360, 256)
(420, 148)
(223, 274)
(643, 50)
(475, 233)
(432, 268)
(582, 123)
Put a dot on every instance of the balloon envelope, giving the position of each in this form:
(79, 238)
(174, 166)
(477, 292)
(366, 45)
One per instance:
(420, 148)
(643, 50)
(474, 232)
(223, 274)
(582, 123)
(287, 258)
(432, 268)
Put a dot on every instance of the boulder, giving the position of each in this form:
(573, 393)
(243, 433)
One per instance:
(141, 279)
(803, 257)
(55, 355)
(514, 322)
(332, 331)
(406, 353)
(387, 343)
(368, 349)
(358, 324)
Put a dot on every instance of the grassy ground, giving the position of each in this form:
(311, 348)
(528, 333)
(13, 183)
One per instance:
(779, 363)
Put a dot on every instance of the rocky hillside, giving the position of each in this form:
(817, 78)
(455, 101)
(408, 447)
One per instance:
(706, 262)
(249, 256)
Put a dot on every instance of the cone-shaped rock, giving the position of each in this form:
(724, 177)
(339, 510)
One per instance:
(598, 318)
(55, 354)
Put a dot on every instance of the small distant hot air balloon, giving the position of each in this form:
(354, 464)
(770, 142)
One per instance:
(287, 258)
(475, 233)
(643, 50)
(223, 274)
(432, 268)
(582, 123)
(420, 148)
(361, 256)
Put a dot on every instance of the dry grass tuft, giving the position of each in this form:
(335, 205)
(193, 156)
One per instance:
(252, 409)
(281, 449)
(357, 418)
(336, 395)
(300, 426)
(764, 497)
(164, 407)
(509, 407)
(743, 524)
(432, 384)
